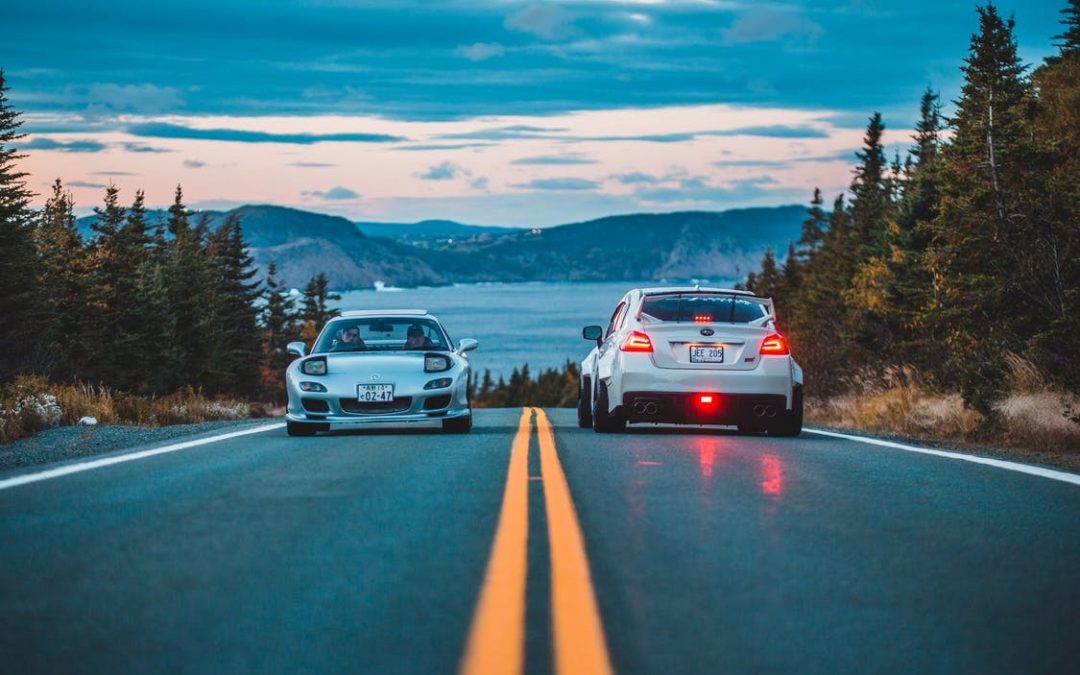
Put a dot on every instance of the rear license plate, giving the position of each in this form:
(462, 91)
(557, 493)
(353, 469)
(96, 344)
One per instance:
(375, 393)
(707, 354)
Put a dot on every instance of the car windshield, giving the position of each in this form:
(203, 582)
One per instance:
(382, 334)
(703, 308)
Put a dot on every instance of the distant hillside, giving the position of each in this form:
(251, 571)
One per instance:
(427, 229)
(632, 247)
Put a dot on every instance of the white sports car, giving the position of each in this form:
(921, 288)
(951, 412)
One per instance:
(691, 356)
(376, 369)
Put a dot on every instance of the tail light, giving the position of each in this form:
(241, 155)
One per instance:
(637, 342)
(774, 345)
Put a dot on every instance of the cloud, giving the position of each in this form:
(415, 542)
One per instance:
(558, 184)
(337, 193)
(571, 158)
(696, 190)
(311, 165)
(444, 171)
(635, 177)
(193, 164)
(774, 131)
(435, 146)
(134, 98)
(85, 184)
(479, 183)
(480, 51)
(142, 147)
(545, 21)
(166, 130)
(41, 143)
(511, 132)
(770, 25)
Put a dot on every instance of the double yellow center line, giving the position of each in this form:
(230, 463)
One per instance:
(496, 641)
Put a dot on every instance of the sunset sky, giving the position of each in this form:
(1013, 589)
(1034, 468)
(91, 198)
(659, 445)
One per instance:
(495, 113)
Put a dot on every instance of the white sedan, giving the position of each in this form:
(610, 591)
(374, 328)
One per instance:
(691, 356)
(370, 369)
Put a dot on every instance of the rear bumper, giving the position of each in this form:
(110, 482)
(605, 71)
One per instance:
(685, 408)
(773, 376)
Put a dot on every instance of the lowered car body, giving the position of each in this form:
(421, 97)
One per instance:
(373, 369)
(691, 355)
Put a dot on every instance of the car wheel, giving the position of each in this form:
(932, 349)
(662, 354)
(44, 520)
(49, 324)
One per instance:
(790, 424)
(584, 403)
(603, 421)
(458, 425)
(299, 429)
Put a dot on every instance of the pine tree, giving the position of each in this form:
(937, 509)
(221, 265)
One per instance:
(20, 303)
(191, 292)
(813, 228)
(315, 312)
(235, 365)
(981, 248)
(279, 323)
(62, 280)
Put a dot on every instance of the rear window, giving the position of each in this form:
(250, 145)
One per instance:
(703, 308)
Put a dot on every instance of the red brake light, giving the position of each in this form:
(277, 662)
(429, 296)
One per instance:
(637, 342)
(775, 345)
(705, 399)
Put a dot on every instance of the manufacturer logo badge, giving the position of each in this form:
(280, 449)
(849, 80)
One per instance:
(707, 331)
(376, 377)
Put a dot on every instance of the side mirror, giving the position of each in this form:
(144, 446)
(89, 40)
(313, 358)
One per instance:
(467, 345)
(594, 333)
(298, 348)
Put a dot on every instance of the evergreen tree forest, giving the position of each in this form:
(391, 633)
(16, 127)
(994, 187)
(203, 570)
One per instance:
(963, 254)
(140, 307)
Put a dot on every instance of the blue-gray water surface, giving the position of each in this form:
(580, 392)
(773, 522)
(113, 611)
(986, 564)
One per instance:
(537, 323)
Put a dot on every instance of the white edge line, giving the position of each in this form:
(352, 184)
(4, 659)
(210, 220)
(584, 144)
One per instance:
(142, 454)
(1063, 476)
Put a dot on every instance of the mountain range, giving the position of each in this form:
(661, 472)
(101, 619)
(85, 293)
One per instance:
(682, 245)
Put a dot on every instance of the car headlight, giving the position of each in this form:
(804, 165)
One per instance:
(441, 383)
(312, 386)
(316, 366)
(436, 363)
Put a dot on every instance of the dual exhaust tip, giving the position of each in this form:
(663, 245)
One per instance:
(645, 407)
(762, 410)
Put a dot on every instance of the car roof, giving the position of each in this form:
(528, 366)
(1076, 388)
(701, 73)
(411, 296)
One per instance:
(383, 312)
(663, 290)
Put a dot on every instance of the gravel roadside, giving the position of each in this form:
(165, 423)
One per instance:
(61, 444)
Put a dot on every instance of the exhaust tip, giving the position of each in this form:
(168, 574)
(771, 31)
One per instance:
(759, 410)
(770, 411)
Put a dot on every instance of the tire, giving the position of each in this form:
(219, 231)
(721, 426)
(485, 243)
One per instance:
(299, 429)
(584, 403)
(458, 425)
(791, 423)
(604, 422)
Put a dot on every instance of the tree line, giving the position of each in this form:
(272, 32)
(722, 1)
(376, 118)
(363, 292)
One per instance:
(139, 306)
(963, 252)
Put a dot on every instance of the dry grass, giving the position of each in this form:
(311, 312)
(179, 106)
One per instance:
(1034, 416)
(900, 404)
(31, 404)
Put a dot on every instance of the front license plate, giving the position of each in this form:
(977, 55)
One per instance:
(375, 393)
(707, 354)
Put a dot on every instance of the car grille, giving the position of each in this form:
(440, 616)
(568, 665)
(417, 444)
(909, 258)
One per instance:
(400, 404)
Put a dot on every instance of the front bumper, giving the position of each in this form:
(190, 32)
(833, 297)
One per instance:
(336, 410)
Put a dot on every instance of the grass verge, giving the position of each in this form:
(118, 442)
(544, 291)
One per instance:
(30, 404)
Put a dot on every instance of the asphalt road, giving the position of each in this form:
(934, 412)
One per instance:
(703, 552)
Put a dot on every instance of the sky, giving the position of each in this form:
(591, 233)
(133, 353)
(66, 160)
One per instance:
(493, 112)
